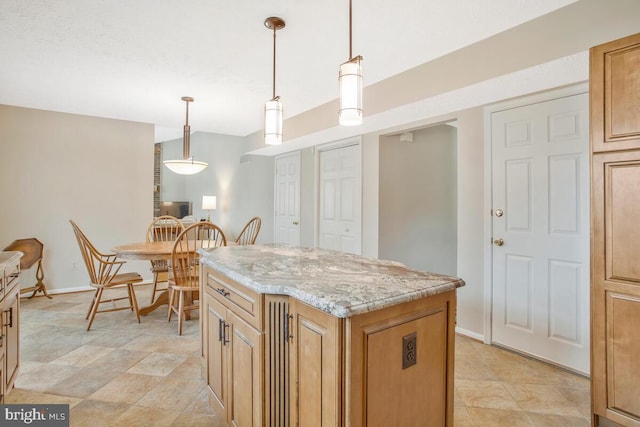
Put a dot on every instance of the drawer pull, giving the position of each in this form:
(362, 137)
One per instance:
(222, 292)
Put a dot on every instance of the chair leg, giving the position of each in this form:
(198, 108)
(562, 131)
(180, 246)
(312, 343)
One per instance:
(93, 302)
(134, 301)
(180, 312)
(154, 287)
(171, 297)
(94, 307)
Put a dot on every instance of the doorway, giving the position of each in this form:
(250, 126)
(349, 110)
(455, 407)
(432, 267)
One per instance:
(418, 199)
(287, 199)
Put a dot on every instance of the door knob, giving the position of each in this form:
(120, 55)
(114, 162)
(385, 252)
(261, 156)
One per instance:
(499, 212)
(295, 223)
(498, 242)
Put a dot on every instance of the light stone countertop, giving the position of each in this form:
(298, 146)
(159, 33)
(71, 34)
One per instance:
(338, 283)
(7, 257)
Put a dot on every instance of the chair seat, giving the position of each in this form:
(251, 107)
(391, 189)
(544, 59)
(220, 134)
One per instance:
(124, 278)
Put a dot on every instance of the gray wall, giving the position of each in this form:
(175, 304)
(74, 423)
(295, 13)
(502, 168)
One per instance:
(243, 185)
(418, 200)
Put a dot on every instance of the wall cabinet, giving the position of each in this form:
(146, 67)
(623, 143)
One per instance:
(615, 209)
(10, 327)
(273, 360)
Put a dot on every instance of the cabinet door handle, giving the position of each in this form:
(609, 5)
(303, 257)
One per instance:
(220, 331)
(225, 341)
(222, 292)
(14, 275)
(10, 311)
(287, 335)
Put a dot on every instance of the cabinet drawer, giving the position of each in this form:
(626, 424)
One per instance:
(243, 301)
(11, 275)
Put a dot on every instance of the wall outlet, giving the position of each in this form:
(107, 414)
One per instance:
(409, 350)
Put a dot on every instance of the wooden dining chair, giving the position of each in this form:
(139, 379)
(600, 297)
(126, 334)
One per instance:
(103, 272)
(184, 272)
(250, 232)
(165, 228)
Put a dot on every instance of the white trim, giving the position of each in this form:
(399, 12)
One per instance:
(468, 333)
(562, 92)
(26, 295)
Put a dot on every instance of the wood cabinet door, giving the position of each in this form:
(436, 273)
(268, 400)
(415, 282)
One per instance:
(614, 85)
(245, 373)
(615, 304)
(12, 337)
(315, 367)
(214, 317)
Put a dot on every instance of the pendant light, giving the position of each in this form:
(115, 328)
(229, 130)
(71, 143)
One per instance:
(273, 107)
(186, 166)
(350, 78)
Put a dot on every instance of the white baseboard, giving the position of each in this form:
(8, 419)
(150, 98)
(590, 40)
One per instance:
(78, 289)
(470, 334)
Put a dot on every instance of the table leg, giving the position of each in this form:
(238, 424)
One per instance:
(162, 299)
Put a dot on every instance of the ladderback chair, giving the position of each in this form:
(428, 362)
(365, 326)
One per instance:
(32, 254)
(165, 228)
(104, 274)
(250, 232)
(184, 273)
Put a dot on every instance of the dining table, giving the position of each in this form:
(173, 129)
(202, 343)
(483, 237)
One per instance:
(150, 251)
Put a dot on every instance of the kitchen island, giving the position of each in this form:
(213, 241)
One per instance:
(304, 336)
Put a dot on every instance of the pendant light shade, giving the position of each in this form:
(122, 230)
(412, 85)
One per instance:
(351, 112)
(273, 107)
(350, 78)
(273, 122)
(186, 166)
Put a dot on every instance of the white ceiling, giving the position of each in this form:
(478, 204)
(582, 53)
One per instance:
(135, 59)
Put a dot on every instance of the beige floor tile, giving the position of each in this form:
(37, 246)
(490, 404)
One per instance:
(473, 369)
(485, 394)
(95, 413)
(540, 398)
(180, 392)
(461, 417)
(126, 388)
(119, 360)
(546, 420)
(515, 371)
(199, 420)
(486, 417)
(44, 377)
(19, 395)
(138, 416)
(160, 364)
(83, 383)
(83, 356)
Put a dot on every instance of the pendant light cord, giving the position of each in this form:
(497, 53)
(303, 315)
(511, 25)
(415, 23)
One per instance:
(274, 63)
(350, 47)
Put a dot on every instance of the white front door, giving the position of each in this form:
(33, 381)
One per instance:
(340, 199)
(540, 226)
(287, 203)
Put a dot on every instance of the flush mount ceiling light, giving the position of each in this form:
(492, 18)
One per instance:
(186, 166)
(350, 78)
(273, 108)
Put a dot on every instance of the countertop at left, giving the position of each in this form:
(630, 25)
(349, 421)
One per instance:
(9, 257)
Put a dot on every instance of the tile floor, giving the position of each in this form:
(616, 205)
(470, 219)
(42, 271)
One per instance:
(122, 373)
